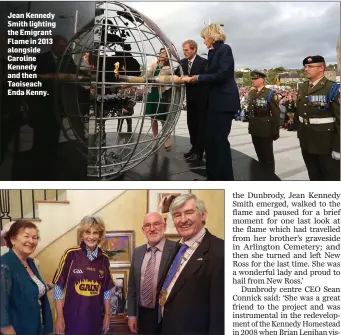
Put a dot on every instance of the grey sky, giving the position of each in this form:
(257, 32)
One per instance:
(261, 34)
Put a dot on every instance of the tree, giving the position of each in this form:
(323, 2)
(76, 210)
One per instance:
(247, 79)
(279, 69)
(301, 73)
(271, 77)
(238, 74)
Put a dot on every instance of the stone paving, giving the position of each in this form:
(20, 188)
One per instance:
(288, 158)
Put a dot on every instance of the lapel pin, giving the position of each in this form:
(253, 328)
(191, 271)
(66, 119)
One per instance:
(199, 259)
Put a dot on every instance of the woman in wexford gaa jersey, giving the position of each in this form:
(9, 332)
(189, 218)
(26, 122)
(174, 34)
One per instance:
(83, 283)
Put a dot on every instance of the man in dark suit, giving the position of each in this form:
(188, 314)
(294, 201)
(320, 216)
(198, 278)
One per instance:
(223, 102)
(192, 295)
(196, 97)
(149, 264)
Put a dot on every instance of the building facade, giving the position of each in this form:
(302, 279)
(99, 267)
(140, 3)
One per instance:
(330, 74)
(289, 77)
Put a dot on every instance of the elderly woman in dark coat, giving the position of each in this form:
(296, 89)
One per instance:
(223, 102)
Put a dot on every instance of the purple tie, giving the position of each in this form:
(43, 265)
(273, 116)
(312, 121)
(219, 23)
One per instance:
(148, 280)
(175, 265)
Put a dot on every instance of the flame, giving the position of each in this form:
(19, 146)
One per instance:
(86, 57)
(86, 60)
(117, 65)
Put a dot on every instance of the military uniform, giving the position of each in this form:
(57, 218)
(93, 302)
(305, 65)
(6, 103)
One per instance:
(319, 127)
(264, 122)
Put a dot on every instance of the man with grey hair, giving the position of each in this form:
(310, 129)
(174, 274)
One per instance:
(192, 295)
(149, 265)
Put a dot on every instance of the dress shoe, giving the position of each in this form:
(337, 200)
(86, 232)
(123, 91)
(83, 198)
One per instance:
(194, 158)
(188, 154)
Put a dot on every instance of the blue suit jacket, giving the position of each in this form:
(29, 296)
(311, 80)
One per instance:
(223, 91)
(19, 303)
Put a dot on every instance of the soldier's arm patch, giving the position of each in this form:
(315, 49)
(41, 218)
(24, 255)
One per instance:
(334, 93)
(336, 96)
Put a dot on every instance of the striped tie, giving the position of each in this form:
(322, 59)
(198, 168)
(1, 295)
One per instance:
(189, 67)
(148, 280)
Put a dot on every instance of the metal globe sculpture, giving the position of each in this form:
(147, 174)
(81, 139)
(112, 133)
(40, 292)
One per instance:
(104, 84)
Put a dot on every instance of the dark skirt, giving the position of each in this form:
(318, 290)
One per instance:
(156, 105)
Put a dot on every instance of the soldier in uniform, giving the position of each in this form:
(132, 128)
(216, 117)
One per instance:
(318, 107)
(264, 119)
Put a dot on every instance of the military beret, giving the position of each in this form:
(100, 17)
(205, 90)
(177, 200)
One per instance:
(257, 74)
(313, 59)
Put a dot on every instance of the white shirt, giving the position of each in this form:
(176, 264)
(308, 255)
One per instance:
(192, 60)
(41, 286)
(199, 236)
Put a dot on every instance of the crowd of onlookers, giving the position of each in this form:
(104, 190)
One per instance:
(287, 105)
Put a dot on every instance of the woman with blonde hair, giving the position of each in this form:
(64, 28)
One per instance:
(223, 102)
(158, 98)
(83, 283)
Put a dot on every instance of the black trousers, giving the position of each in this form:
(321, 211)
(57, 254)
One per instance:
(321, 167)
(129, 124)
(128, 120)
(265, 152)
(196, 126)
(148, 321)
(217, 145)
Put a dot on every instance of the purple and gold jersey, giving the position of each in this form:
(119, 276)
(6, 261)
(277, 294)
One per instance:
(84, 283)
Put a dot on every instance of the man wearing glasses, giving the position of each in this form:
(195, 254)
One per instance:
(149, 266)
(318, 107)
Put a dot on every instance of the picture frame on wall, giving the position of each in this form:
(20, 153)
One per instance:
(118, 296)
(160, 201)
(119, 246)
